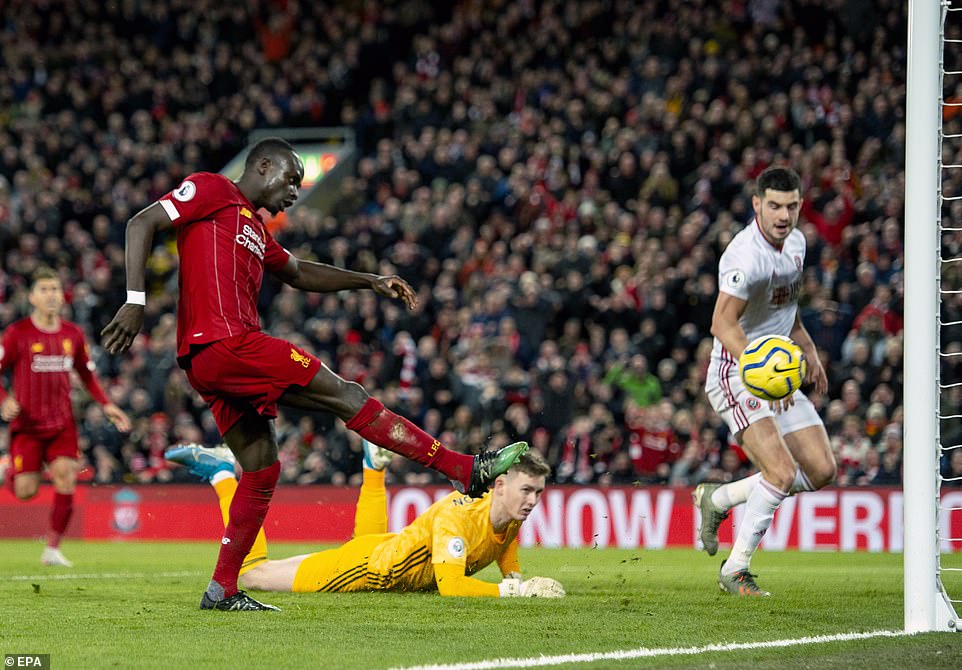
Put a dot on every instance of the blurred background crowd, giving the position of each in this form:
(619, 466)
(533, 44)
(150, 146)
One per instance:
(556, 179)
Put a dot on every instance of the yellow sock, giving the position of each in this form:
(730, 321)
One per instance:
(370, 516)
(225, 489)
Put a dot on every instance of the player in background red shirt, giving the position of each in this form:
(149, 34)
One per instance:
(40, 351)
(243, 373)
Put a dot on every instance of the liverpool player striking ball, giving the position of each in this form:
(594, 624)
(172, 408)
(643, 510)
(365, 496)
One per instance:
(244, 374)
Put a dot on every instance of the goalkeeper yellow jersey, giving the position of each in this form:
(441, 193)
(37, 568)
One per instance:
(451, 540)
(456, 531)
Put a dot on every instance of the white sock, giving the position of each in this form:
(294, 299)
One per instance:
(759, 512)
(735, 493)
(221, 475)
(729, 495)
(801, 483)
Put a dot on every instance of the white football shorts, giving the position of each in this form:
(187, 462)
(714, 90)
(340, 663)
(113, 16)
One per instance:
(740, 409)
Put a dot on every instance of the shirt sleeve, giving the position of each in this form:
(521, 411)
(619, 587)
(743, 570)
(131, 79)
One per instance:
(452, 581)
(275, 256)
(198, 197)
(449, 550)
(450, 539)
(735, 273)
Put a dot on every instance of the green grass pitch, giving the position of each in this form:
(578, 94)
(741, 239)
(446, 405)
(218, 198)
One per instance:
(134, 605)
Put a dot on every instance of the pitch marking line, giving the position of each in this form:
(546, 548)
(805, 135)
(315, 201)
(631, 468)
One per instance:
(643, 652)
(104, 575)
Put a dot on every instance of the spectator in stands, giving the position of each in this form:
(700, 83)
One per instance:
(636, 380)
(617, 187)
(890, 465)
(952, 468)
(692, 468)
(850, 448)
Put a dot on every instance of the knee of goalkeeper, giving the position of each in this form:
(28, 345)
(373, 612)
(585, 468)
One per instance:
(536, 587)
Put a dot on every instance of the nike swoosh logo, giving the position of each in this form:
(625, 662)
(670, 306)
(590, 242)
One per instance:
(790, 368)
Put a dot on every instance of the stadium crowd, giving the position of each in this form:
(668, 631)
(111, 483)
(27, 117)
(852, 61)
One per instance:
(555, 178)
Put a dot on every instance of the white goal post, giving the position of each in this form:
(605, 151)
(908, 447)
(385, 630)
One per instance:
(927, 607)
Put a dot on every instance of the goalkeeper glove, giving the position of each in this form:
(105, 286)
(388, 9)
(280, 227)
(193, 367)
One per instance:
(536, 587)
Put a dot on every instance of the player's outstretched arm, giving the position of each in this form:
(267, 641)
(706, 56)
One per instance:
(323, 278)
(452, 581)
(119, 334)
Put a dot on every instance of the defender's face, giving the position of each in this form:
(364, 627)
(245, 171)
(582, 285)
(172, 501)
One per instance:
(520, 493)
(282, 182)
(777, 213)
(46, 297)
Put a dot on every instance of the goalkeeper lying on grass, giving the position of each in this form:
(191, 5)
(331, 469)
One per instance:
(453, 539)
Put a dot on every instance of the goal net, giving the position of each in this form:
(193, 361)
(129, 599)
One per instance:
(933, 315)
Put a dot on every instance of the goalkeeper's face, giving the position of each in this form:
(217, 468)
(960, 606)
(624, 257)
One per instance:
(518, 493)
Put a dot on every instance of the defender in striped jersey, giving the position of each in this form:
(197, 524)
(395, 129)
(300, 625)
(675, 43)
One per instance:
(760, 276)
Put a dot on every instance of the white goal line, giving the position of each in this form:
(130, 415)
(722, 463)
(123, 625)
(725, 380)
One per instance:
(565, 659)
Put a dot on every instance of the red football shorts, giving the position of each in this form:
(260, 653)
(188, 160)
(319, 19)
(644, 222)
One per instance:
(29, 451)
(248, 372)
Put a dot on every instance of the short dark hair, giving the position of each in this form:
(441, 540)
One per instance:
(41, 273)
(532, 463)
(270, 147)
(777, 179)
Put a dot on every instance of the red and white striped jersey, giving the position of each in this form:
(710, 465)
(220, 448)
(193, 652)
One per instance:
(767, 278)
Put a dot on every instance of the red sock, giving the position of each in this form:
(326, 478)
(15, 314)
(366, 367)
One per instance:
(386, 429)
(59, 518)
(247, 512)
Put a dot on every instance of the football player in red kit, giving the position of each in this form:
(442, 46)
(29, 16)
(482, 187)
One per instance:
(40, 351)
(243, 373)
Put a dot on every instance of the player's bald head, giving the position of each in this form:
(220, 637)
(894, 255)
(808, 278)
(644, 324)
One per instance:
(273, 173)
(274, 149)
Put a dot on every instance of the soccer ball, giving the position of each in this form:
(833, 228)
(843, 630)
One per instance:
(772, 367)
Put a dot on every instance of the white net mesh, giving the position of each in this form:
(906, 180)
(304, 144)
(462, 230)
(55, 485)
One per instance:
(949, 526)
